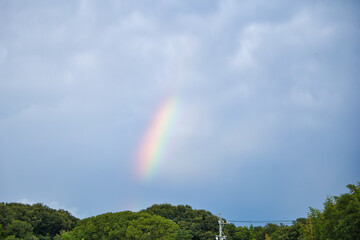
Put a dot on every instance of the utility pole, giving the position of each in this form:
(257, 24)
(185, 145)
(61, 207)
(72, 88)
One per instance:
(221, 224)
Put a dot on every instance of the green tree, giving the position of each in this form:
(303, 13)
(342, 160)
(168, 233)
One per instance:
(295, 230)
(341, 216)
(20, 229)
(64, 235)
(182, 235)
(251, 232)
(229, 231)
(242, 233)
(33, 221)
(124, 225)
(151, 227)
(200, 224)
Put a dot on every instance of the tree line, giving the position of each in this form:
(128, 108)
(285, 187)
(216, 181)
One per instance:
(340, 219)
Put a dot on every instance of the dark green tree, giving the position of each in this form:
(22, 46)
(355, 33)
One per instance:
(124, 225)
(182, 235)
(33, 221)
(20, 229)
(341, 216)
(242, 233)
(200, 224)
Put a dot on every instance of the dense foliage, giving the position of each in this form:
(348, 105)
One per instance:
(340, 219)
(23, 221)
(199, 224)
(124, 225)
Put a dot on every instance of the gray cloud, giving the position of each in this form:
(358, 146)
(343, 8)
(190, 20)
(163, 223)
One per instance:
(267, 94)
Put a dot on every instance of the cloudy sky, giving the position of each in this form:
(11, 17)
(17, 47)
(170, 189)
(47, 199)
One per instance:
(267, 96)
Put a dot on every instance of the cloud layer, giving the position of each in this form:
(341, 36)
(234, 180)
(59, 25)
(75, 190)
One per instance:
(268, 95)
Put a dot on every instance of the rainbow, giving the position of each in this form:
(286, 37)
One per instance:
(154, 142)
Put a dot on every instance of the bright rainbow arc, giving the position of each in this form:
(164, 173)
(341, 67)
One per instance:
(154, 142)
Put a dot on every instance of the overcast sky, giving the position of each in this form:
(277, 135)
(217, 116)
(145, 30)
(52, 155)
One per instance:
(268, 96)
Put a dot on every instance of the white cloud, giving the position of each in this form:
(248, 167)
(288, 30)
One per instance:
(245, 58)
(55, 205)
(3, 55)
(85, 61)
(261, 44)
(26, 201)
